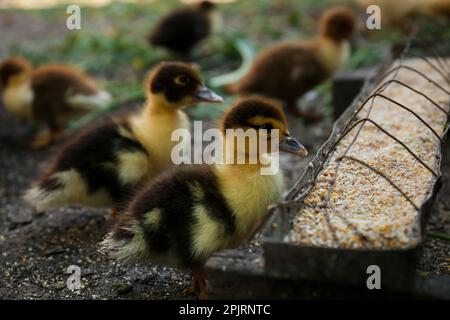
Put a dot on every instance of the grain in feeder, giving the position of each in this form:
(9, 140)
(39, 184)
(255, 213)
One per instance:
(353, 206)
(365, 197)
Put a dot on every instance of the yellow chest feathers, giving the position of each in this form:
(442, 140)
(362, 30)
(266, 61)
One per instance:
(18, 99)
(333, 54)
(249, 195)
(154, 131)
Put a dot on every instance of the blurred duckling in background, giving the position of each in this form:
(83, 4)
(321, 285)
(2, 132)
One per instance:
(185, 215)
(50, 95)
(103, 165)
(288, 70)
(404, 14)
(184, 28)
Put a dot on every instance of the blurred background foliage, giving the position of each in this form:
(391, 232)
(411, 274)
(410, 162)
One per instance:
(112, 41)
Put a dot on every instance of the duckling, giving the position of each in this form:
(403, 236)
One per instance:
(51, 95)
(288, 70)
(186, 214)
(404, 14)
(182, 29)
(102, 166)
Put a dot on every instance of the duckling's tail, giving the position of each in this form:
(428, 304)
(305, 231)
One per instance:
(126, 242)
(64, 188)
(100, 100)
(44, 195)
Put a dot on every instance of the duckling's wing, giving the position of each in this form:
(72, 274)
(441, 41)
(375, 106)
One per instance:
(99, 100)
(63, 92)
(101, 167)
(285, 71)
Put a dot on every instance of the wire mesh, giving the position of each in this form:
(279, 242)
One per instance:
(294, 199)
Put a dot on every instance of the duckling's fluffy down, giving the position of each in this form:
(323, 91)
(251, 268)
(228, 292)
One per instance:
(185, 215)
(100, 167)
(62, 92)
(182, 29)
(179, 219)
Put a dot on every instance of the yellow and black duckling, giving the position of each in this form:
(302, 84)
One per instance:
(288, 70)
(102, 166)
(185, 215)
(182, 29)
(51, 95)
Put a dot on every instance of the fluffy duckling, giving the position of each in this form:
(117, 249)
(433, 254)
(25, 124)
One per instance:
(404, 14)
(288, 70)
(185, 215)
(102, 166)
(182, 29)
(50, 95)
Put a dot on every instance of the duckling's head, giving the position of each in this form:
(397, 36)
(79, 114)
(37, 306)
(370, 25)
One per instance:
(337, 23)
(177, 84)
(206, 6)
(264, 115)
(14, 70)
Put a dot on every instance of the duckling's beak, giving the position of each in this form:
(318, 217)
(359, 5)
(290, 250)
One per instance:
(289, 144)
(204, 94)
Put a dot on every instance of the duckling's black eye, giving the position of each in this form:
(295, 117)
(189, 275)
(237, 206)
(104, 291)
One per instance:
(182, 80)
(266, 126)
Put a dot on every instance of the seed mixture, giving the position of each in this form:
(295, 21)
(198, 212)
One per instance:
(364, 210)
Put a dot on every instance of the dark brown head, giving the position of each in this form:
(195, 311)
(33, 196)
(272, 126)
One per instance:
(337, 23)
(179, 84)
(262, 114)
(206, 6)
(13, 69)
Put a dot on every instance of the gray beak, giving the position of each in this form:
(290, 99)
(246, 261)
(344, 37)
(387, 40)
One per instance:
(207, 95)
(289, 144)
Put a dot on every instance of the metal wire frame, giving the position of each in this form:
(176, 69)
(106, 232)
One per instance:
(377, 93)
(325, 203)
(378, 172)
(443, 63)
(416, 91)
(384, 85)
(416, 71)
(350, 125)
(431, 64)
(431, 51)
(410, 111)
(394, 138)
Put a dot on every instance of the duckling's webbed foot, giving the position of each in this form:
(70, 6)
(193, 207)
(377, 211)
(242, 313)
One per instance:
(200, 282)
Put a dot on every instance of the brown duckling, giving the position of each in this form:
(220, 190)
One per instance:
(288, 70)
(103, 165)
(406, 13)
(187, 214)
(51, 95)
(182, 29)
